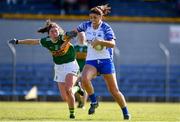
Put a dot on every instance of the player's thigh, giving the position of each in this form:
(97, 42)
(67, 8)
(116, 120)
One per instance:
(89, 72)
(111, 81)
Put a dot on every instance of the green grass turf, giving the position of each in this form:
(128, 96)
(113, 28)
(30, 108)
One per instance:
(107, 111)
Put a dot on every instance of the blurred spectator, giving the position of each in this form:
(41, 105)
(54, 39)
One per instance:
(70, 6)
(11, 2)
(93, 3)
(83, 6)
(59, 5)
(23, 2)
(178, 5)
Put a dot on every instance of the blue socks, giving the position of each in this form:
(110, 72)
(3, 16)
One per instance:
(125, 111)
(93, 98)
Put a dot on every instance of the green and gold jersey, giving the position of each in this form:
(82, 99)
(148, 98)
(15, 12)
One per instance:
(54, 48)
(81, 52)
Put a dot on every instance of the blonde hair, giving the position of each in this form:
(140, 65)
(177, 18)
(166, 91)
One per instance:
(101, 10)
(48, 25)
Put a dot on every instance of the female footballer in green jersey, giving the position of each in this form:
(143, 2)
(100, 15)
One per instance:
(63, 53)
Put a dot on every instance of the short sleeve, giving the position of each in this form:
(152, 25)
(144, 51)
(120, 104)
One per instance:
(109, 34)
(83, 26)
(43, 41)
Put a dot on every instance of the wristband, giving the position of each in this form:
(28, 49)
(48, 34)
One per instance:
(17, 41)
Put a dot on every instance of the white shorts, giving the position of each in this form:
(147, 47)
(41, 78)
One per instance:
(63, 69)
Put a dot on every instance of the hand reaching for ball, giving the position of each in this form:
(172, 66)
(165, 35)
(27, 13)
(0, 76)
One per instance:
(96, 44)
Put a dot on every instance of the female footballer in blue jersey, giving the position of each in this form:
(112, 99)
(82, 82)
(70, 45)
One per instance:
(101, 41)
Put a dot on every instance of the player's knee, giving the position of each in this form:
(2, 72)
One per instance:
(68, 91)
(85, 79)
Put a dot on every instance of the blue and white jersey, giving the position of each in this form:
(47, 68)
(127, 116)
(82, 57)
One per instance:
(103, 32)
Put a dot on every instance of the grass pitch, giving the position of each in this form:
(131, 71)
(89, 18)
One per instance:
(107, 111)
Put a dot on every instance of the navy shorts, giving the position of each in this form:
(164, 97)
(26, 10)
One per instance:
(103, 66)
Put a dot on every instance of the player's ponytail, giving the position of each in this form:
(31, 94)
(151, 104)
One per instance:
(46, 28)
(49, 24)
(101, 10)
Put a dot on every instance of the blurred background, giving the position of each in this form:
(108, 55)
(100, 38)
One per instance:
(147, 55)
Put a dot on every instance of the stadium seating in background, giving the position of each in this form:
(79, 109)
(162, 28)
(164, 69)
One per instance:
(149, 80)
(150, 8)
(135, 81)
(27, 76)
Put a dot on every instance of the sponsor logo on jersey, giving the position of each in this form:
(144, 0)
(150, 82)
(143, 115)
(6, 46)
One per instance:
(56, 47)
(48, 39)
(94, 33)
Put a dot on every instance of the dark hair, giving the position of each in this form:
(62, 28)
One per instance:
(101, 10)
(49, 24)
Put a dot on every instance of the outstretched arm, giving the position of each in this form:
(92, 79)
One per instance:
(67, 37)
(25, 41)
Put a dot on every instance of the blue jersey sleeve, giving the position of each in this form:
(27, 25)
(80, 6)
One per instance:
(83, 26)
(108, 32)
